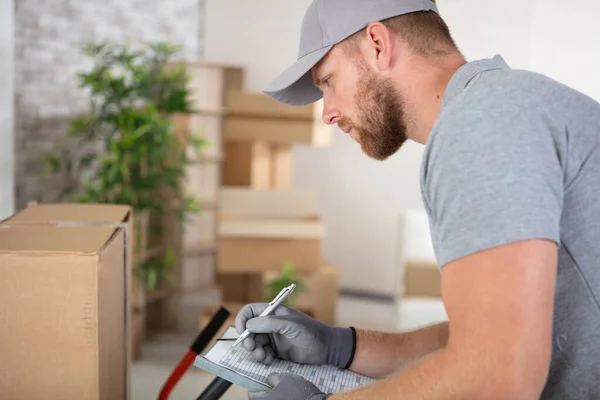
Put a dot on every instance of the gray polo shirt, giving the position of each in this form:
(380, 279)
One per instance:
(515, 155)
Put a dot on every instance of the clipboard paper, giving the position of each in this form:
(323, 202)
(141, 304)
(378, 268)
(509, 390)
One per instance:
(238, 367)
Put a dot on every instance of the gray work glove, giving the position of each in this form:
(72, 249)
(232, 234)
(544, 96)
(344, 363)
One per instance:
(291, 335)
(288, 387)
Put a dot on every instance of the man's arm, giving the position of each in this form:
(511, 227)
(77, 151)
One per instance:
(500, 306)
(380, 354)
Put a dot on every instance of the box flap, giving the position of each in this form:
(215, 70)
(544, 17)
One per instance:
(55, 212)
(87, 240)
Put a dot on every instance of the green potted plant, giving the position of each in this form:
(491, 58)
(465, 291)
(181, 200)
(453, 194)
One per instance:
(124, 149)
(285, 278)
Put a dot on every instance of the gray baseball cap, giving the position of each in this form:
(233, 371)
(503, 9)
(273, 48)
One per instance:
(325, 24)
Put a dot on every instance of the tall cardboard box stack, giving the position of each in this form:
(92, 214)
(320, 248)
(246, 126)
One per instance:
(65, 295)
(263, 221)
(259, 134)
(209, 86)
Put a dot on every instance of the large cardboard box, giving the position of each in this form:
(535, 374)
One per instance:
(261, 229)
(64, 293)
(254, 245)
(254, 116)
(422, 279)
(247, 254)
(243, 202)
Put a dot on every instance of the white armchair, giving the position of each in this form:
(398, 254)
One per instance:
(414, 246)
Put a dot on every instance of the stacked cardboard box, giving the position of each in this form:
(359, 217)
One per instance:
(65, 272)
(259, 134)
(263, 221)
(416, 262)
(422, 278)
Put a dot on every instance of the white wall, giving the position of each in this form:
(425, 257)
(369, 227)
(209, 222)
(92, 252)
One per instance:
(6, 109)
(361, 198)
(564, 43)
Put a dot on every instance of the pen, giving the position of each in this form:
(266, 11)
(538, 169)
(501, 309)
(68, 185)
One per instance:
(280, 298)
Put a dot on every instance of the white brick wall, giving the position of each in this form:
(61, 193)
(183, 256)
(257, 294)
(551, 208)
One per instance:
(47, 38)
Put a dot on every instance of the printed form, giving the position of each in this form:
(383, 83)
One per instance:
(328, 378)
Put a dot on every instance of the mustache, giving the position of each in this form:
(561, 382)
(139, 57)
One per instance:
(344, 124)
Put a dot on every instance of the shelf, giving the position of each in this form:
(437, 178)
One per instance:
(201, 250)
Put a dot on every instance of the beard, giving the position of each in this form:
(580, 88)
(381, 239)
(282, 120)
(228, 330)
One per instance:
(379, 126)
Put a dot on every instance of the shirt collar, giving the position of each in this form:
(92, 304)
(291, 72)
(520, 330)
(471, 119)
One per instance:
(467, 72)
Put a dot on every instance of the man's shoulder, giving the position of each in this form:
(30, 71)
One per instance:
(507, 113)
(504, 93)
(500, 104)
(498, 93)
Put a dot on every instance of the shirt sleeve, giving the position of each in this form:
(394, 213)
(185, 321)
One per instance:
(490, 181)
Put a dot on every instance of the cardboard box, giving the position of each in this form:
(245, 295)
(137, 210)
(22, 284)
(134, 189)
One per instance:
(422, 279)
(253, 116)
(321, 292)
(281, 166)
(239, 254)
(63, 291)
(257, 165)
(241, 288)
(246, 164)
(52, 213)
(261, 229)
(243, 202)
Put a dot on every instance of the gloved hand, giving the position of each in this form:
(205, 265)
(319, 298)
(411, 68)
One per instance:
(288, 387)
(294, 336)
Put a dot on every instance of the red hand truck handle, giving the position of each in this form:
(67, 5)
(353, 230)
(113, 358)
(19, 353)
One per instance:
(202, 340)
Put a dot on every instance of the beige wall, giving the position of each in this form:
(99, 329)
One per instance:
(6, 109)
(361, 199)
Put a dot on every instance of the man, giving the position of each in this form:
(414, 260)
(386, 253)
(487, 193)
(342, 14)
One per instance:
(511, 183)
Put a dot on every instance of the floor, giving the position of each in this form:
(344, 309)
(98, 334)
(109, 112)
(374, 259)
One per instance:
(161, 354)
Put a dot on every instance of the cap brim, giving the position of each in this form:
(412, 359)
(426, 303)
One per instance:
(295, 85)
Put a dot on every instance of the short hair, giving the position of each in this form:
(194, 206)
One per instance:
(424, 31)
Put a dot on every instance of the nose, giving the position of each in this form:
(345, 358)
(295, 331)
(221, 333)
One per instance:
(330, 114)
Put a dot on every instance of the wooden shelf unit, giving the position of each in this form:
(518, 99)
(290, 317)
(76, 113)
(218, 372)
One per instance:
(210, 84)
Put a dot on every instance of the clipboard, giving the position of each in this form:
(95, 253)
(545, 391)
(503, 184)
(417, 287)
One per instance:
(238, 367)
(226, 373)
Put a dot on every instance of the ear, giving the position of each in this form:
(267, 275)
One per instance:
(380, 43)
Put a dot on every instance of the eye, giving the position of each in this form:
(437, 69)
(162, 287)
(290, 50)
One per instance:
(327, 81)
